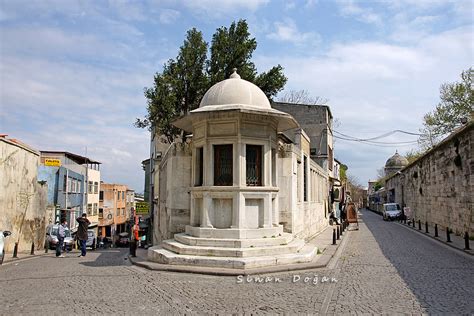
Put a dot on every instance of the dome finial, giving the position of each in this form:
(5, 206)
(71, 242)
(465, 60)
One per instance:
(234, 75)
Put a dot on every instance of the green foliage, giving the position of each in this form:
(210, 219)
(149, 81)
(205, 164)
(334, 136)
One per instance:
(232, 48)
(343, 172)
(378, 185)
(413, 155)
(455, 106)
(181, 85)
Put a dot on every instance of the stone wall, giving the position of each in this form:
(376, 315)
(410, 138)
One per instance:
(174, 198)
(438, 187)
(304, 219)
(22, 198)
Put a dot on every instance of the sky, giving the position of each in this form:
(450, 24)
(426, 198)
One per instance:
(72, 73)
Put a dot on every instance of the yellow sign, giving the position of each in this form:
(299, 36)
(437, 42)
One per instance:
(52, 162)
(141, 208)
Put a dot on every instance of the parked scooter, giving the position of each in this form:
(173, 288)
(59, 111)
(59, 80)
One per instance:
(3, 235)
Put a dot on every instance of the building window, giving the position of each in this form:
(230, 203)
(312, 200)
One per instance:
(123, 195)
(65, 183)
(73, 185)
(96, 187)
(254, 165)
(101, 213)
(101, 195)
(89, 209)
(90, 188)
(118, 195)
(223, 173)
(95, 209)
(305, 178)
(123, 212)
(118, 212)
(199, 166)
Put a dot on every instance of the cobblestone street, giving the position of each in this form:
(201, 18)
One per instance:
(382, 268)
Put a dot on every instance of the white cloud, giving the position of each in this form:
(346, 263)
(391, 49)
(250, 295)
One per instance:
(377, 87)
(168, 16)
(407, 29)
(287, 31)
(349, 8)
(217, 8)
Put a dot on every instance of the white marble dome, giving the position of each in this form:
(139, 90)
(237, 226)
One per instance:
(235, 91)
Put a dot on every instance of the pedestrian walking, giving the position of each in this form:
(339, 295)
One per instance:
(82, 233)
(61, 235)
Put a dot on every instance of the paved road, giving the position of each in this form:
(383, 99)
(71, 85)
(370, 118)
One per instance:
(383, 268)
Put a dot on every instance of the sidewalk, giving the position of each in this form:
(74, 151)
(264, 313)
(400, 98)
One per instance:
(323, 241)
(22, 256)
(457, 242)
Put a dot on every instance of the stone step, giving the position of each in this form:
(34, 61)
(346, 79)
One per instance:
(161, 255)
(233, 233)
(285, 238)
(183, 249)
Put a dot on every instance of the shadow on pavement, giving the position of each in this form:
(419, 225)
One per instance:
(441, 278)
(107, 258)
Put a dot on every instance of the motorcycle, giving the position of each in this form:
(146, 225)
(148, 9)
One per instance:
(3, 235)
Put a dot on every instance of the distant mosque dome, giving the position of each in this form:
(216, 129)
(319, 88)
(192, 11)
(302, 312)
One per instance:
(395, 163)
(235, 92)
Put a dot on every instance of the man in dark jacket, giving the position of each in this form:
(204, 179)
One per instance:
(82, 233)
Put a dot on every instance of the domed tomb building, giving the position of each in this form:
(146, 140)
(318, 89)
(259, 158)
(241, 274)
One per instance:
(240, 194)
(394, 164)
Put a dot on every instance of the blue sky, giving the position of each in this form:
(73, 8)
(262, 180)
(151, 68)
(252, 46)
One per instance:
(72, 73)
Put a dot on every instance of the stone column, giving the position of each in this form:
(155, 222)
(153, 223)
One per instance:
(206, 210)
(192, 211)
(267, 211)
(238, 211)
(275, 215)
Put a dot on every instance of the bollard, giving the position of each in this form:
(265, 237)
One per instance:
(46, 246)
(448, 237)
(419, 224)
(338, 235)
(334, 236)
(413, 222)
(426, 227)
(32, 252)
(15, 251)
(466, 241)
(133, 248)
(341, 230)
(436, 230)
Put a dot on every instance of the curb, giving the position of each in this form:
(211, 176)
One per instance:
(28, 256)
(319, 261)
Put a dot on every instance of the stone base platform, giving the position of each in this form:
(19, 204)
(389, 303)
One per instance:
(262, 248)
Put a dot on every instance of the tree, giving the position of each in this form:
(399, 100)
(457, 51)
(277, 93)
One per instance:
(413, 155)
(454, 108)
(302, 97)
(181, 85)
(178, 89)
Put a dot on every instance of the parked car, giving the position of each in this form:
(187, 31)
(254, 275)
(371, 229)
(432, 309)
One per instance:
(391, 211)
(123, 240)
(91, 240)
(3, 235)
(52, 237)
